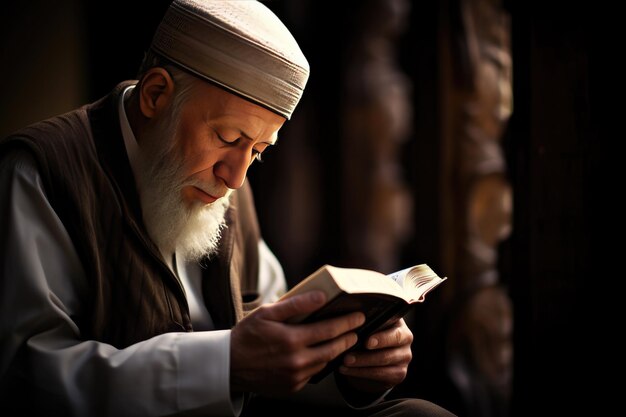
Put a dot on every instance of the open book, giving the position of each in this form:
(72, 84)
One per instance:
(382, 298)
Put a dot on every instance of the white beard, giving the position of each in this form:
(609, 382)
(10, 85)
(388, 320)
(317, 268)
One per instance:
(191, 232)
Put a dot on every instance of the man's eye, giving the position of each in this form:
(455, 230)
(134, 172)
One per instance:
(230, 142)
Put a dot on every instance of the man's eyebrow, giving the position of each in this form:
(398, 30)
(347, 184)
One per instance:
(243, 134)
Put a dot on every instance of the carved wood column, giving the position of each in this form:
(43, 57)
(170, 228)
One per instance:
(377, 120)
(477, 200)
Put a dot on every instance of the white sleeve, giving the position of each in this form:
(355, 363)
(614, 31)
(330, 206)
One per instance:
(41, 287)
(272, 282)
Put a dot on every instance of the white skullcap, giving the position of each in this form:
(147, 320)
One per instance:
(240, 45)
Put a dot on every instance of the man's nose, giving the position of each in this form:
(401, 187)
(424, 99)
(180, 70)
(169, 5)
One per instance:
(233, 167)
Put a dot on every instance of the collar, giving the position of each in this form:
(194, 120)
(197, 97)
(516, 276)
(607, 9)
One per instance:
(130, 142)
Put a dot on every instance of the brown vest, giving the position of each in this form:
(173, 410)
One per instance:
(133, 294)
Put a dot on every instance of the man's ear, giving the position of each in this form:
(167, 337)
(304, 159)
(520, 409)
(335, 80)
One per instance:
(156, 91)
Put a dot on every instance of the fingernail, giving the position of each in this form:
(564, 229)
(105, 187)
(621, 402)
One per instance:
(373, 342)
(349, 359)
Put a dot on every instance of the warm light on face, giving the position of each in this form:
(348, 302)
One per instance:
(220, 135)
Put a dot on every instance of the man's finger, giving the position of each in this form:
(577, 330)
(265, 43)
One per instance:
(314, 333)
(294, 306)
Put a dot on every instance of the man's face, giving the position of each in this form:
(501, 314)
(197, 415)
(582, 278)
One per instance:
(220, 135)
(193, 160)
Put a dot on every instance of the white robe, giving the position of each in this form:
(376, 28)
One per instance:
(42, 285)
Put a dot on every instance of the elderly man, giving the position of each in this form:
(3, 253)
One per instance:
(132, 265)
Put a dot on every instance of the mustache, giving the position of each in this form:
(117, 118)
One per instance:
(215, 190)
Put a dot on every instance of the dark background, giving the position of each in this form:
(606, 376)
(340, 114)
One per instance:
(558, 264)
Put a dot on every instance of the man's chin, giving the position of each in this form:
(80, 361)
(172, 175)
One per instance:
(202, 231)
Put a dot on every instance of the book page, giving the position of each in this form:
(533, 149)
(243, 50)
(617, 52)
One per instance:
(417, 280)
(364, 281)
(400, 276)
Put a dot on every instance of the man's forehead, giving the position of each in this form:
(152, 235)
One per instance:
(231, 115)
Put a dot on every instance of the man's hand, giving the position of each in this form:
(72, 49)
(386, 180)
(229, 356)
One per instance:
(384, 361)
(270, 356)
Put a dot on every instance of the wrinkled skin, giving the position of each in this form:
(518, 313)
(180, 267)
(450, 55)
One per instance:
(271, 356)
